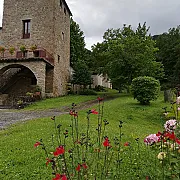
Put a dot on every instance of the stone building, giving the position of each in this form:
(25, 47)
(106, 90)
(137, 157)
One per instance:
(36, 38)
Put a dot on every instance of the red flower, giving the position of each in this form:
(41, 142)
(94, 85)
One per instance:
(37, 144)
(48, 161)
(60, 177)
(170, 136)
(60, 150)
(100, 99)
(78, 168)
(126, 144)
(106, 142)
(93, 111)
(84, 165)
(73, 113)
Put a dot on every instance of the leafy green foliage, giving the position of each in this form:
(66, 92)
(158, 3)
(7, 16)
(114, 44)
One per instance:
(81, 75)
(126, 54)
(145, 89)
(169, 48)
(77, 43)
(87, 92)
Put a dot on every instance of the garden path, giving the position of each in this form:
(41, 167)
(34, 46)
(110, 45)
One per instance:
(8, 117)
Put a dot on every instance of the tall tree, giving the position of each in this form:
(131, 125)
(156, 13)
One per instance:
(169, 54)
(126, 54)
(77, 43)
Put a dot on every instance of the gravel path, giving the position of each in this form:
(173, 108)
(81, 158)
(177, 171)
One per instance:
(8, 117)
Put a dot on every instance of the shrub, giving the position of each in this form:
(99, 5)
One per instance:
(145, 89)
(100, 88)
(11, 50)
(87, 92)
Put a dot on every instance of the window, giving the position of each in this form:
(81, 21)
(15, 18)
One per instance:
(61, 3)
(26, 29)
(65, 11)
(58, 58)
(63, 36)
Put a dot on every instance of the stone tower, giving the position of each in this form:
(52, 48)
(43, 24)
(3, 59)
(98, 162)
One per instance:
(44, 24)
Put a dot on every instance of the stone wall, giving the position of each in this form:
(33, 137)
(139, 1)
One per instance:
(50, 29)
(62, 49)
(40, 13)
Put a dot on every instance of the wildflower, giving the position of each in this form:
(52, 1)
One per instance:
(60, 150)
(37, 144)
(60, 177)
(73, 113)
(78, 168)
(106, 142)
(151, 139)
(170, 136)
(170, 125)
(161, 155)
(126, 144)
(93, 111)
(178, 100)
(100, 99)
(48, 161)
(84, 165)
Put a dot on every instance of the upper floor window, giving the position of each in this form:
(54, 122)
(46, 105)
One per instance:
(65, 11)
(61, 3)
(26, 28)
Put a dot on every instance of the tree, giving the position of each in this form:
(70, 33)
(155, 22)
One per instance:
(81, 74)
(126, 54)
(169, 55)
(77, 43)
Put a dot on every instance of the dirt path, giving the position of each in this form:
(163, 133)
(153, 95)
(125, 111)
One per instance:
(8, 117)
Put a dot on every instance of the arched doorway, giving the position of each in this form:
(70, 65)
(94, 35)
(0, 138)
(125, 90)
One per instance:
(16, 80)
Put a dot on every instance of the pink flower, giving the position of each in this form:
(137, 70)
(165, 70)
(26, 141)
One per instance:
(178, 100)
(151, 139)
(170, 125)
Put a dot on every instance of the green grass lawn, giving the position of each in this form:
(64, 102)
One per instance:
(59, 102)
(20, 160)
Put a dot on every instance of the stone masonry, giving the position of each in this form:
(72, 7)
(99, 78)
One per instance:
(49, 29)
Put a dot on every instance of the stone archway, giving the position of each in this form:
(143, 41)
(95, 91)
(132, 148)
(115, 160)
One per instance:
(36, 68)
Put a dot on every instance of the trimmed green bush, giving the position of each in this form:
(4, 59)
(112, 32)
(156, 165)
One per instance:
(145, 89)
(87, 92)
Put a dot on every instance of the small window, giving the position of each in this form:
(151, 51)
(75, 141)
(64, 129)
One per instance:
(63, 36)
(58, 58)
(61, 3)
(26, 29)
(65, 11)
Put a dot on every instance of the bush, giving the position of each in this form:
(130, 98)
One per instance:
(100, 88)
(87, 92)
(145, 89)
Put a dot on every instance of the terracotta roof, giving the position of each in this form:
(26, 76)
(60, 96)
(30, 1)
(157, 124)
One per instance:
(67, 7)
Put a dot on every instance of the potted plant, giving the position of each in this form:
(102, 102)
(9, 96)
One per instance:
(23, 50)
(2, 50)
(37, 92)
(33, 48)
(11, 50)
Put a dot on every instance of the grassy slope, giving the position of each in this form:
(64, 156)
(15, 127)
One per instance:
(19, 160)
(59, 102)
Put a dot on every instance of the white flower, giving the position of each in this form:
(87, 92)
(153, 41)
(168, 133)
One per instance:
(178, 100)
(170, 125)
(161, 155)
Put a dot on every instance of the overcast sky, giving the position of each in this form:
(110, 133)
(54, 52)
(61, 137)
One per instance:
(96, 16)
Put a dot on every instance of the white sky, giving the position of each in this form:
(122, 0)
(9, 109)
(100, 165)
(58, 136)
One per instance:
(96, 16)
